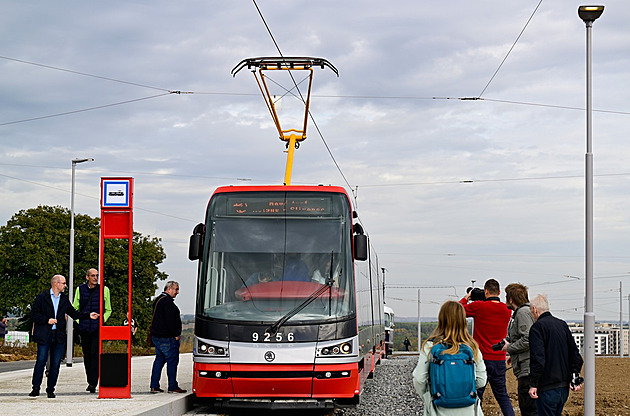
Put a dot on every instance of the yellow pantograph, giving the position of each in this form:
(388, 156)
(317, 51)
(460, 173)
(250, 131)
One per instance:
(292, 136)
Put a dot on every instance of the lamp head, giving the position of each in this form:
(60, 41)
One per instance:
(75, 161)
(590, 13)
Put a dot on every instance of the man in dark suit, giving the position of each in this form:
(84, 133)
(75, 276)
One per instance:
(48, 313)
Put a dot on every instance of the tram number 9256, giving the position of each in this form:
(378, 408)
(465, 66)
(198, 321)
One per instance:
(267, 337)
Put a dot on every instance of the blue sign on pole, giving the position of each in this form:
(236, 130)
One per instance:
(116, 193)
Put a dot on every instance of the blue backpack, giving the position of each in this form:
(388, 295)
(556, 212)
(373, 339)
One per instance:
(452, 377)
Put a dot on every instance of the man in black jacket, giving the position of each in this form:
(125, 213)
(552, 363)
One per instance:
(166, 330)
(555, 360)
(48, 313)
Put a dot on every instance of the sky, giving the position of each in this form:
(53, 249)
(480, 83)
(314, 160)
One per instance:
(449, 190)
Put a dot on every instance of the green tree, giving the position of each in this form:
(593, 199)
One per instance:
(35, 245)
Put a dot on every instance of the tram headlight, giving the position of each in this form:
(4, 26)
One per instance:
(209, 349)
(344, 348)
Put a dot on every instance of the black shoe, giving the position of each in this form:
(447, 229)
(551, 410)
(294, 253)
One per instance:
(34, 393)
(91, 388)
(177, 390)
(51, 395)
(157, 390)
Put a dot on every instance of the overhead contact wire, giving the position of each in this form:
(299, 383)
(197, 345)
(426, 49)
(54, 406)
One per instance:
(85, 109)
(508, 54)
(302, 97)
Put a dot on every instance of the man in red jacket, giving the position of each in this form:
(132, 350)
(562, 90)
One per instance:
(490, 322)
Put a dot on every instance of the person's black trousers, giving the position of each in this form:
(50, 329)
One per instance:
(89, 344)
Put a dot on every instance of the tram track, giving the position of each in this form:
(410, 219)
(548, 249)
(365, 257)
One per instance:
(389, 392)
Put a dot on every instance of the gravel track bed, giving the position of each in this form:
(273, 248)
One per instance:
(390, 392)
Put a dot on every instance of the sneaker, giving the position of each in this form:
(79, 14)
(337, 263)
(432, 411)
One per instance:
(177, 390)
(34, 393)
(51, 395)
(156, 390)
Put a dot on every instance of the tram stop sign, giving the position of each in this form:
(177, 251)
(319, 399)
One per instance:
(116, 223)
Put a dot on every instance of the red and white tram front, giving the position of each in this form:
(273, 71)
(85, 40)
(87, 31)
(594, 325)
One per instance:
(276, 315)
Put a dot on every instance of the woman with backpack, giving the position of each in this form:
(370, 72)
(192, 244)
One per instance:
(450, 343)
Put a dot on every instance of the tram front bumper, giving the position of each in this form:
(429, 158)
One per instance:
(275, 381)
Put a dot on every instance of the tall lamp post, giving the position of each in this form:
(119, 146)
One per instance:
(419, 324)
(383, 269)
(589, 14)
(69, 340)
(620, 322)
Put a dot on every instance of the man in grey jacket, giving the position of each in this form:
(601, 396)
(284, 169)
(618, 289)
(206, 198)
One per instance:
(517, 344)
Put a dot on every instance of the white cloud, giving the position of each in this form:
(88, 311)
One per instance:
(521, 220)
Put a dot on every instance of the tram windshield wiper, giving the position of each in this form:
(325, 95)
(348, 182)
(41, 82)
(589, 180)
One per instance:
(327, 286)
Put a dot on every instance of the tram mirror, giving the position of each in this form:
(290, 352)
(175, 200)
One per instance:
(360, 247)
(194, 249)
(196, 243)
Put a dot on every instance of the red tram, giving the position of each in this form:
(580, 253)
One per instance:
(289, 309)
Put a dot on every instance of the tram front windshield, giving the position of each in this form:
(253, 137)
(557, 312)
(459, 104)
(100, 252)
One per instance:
(266, 253)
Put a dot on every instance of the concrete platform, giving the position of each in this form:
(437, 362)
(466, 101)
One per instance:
(72, 399)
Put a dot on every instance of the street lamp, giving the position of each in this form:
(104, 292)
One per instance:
(589, 14)
(419, 324)
(620, 321)
(69, 340)
(383, 269)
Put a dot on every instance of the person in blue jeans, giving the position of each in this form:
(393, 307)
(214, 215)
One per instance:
(555, 360)
(491, 318)
(48, 313)
(166, 330)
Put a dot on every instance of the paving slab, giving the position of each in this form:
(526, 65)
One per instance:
(72, 399)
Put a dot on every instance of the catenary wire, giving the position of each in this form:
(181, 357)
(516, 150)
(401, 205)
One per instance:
(146, 173)
(81, 73)
(84, 109)
(490, 180)
(372, 97)
(302, 98)
(508, 53)
(93, 197)
(236, 94)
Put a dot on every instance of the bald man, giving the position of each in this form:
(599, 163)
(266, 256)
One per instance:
(48, 313)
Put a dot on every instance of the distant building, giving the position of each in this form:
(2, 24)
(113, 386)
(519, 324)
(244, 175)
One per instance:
(607, 338)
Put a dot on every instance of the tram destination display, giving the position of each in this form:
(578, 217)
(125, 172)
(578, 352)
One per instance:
(279, 206)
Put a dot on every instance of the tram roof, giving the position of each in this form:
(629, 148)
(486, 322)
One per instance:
(280, 188)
